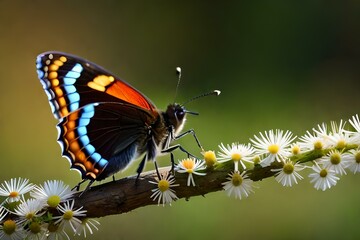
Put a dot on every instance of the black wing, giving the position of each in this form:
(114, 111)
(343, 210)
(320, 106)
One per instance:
(72, 82)
(92, 136)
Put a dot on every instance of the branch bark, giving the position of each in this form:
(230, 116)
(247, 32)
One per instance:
(124, 195)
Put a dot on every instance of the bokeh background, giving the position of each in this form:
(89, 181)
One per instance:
(279, 64)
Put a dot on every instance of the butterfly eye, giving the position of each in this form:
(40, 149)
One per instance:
(180, 113)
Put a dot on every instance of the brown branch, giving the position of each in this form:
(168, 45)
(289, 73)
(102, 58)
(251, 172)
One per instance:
(124, 195)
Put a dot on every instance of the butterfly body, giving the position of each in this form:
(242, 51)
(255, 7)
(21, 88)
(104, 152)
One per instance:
(104, 123)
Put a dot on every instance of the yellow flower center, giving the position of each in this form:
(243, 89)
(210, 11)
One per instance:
(9, 227)
(318, 145)
(323, 173)
(357, 157)
(295, 150)
(210, 158)
(335, 158)
(273, 148)
(236, 157)
(34, 227)
(163, 185)
(288, 168)
(341, 144)
(53, 201)
(68, 215)
(237, 179)
(29, 216)
(14, 194)
(188, 164)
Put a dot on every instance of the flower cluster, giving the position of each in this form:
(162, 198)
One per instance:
(328, 151)
(39, 212)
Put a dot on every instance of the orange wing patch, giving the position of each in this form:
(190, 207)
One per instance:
(52, 76)
(125, 92)
(119, 90)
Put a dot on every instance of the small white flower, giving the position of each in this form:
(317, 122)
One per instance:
(69, 215)
(355, 122)
(288, 174)
(275, 145)
(238, 185)
(190, 166)
(312, 142)
(323, 133)
(237, 153)
(295, 149)
(52, 193)
(323, 178)
(3, 213)
(339, 138)
(353, 163)
(163, 192)
(28, 210)
(11, 230)
(87, 225)
(336, 161)
(15, 188)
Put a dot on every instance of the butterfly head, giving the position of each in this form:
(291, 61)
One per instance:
(175, 115)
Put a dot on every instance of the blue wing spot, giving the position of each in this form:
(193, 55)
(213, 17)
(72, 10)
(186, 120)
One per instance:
(90, 149)
(84, 140)
(70, 89)
(96, 156)
(84, 121)
(87, 113)
(103, 162)
(74, 97)
(89, 108)
(74, 106)
(40, 73)
(73, 74)
(82, 131)
(38, 62)
(77, 68)
(69, 81)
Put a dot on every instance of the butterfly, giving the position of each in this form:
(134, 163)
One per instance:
(104, 122)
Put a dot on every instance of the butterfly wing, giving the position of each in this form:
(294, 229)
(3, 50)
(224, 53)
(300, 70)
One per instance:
(103, 137)
(103, 120)
(71, 82)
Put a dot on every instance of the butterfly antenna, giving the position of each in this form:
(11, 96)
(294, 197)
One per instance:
(212, 93)
(178, 72)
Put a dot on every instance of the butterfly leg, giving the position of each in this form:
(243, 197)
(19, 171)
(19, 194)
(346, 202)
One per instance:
(77, 187)
(190, 131)
(169, 149)
(140, 169)
(172, 163)
(157, 169)
(87, 187)
(177, 146)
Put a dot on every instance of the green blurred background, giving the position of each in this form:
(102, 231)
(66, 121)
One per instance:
(279, 64)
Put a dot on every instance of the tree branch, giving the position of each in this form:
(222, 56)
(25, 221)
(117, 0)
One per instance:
(124, 195)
